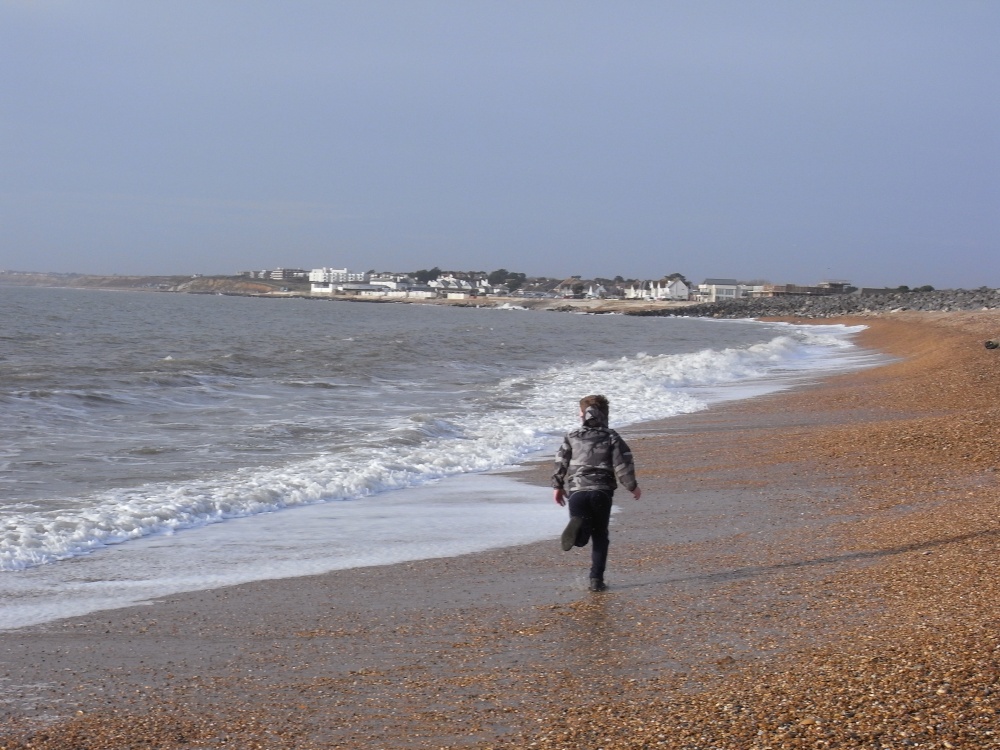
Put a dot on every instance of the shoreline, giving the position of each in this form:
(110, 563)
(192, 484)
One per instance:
(804, 307)
(311, 538)
(747, 609)
(597, 306)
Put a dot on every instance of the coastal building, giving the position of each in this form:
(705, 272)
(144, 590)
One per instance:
(288, 274)
(677, 289)
(394, 281)
(666, 290)
(336, 276)
(361, 290)
(718, 290)
(421, 291)
(380, 291)
(823, 288)
(448, 284)
(574, 286)
(838, 286)
(457, 287)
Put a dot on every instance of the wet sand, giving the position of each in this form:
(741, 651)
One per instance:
(816, 568)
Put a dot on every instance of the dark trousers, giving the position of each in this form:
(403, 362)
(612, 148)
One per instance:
(595, 509)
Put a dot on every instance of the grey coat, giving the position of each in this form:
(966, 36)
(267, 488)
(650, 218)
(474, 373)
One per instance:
(593, 457)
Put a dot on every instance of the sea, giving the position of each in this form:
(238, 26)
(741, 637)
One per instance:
(156, 443)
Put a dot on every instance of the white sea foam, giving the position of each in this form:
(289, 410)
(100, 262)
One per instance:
(462, 515)
(275, 458)
(509, 306)
(516, 418)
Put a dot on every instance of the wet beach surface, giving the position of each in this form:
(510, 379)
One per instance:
(807, 569)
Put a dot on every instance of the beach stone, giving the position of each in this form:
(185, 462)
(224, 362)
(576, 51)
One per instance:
(833, 306)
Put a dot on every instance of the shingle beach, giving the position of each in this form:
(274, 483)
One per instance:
(816, 568)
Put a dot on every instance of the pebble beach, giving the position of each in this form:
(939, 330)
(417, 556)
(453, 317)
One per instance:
(813, 568)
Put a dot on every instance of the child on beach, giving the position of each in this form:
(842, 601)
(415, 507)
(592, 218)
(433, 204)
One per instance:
(587, 465)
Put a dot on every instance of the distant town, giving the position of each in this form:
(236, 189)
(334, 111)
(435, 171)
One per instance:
(435, 283)
(438, 284)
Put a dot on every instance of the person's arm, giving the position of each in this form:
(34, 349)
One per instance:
(563, 456)
(621, 455)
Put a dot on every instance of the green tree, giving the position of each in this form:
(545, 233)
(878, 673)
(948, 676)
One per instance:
(423, 275)
(511, 279)
(498, 277)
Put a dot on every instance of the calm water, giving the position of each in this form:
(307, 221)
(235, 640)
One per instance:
(230, 438)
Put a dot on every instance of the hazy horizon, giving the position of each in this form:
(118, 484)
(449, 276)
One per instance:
(626, 280)
(775, 140)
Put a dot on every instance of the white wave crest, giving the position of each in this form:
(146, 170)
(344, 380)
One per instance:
(535, 410)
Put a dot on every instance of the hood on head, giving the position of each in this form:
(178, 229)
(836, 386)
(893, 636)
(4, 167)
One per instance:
(594, 417)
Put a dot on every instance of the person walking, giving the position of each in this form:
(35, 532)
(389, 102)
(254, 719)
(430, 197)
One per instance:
(590, 463)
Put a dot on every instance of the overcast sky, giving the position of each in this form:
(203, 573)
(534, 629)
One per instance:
(787, 141)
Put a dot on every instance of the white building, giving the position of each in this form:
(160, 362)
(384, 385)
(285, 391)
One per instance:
(451, 284)
(719, 290)
(336, 276)
(287, 274)
(674, 290)
(393, 281)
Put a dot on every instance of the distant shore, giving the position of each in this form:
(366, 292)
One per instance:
(235, 286)
(808, 307)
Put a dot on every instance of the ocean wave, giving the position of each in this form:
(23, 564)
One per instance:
(509, 421)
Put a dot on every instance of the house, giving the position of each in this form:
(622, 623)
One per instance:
(361, 290)
(394, 281)
(572, 287)
(719, 290)
(449, 283)
(822, 289)
(421, 292)
(673, 289)
(835, 286)
(677, 289)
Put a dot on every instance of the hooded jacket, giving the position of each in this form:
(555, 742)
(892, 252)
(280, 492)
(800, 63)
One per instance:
(593, 457)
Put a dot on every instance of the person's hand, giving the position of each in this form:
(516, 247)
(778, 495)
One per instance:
(559, 497)
(637, 493)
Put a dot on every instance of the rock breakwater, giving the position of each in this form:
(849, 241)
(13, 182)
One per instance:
(832, 306)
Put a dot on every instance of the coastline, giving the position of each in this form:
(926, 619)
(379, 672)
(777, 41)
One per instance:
(871, 303)
(227, 287)
(756, 608)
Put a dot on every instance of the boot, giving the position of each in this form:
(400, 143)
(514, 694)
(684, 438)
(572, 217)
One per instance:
(569, 534)
(598, 584)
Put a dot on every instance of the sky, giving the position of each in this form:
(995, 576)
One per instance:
(791, 142)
